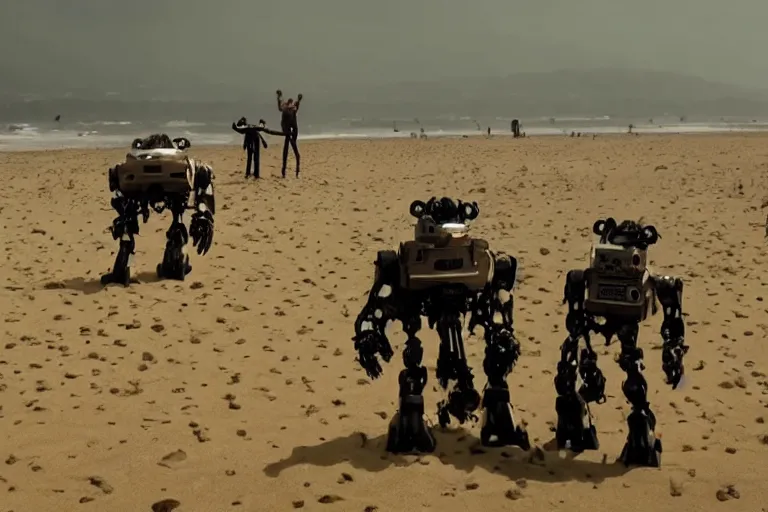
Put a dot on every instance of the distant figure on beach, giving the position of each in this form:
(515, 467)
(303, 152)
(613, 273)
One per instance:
(57, 118)
(489, 131)
(252, 142)
(290, 125)
(422, 134)
(515, 128)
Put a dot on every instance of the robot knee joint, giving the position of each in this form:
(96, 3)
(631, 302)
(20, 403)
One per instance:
(505, 271)
(124, 227)
(127, 243)
(501, 354)
(635, 391)
(593, 387)
(565, 380)
(413, 353)
(177, 236)
(203, 176)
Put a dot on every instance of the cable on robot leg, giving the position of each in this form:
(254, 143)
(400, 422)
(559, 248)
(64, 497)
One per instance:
(499, 428)
(201, 225)
(124, 228)
(593, 381)
(642, 447)
(502, 350)
(408, 430)
(574, 422)
(175, 264)
(452, 364)
(670, 293)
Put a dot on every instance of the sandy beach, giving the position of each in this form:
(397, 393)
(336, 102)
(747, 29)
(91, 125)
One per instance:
(238, 389)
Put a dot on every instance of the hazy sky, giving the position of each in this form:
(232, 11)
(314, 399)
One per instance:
(265, 43)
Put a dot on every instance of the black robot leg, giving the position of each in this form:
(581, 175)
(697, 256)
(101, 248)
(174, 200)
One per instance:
(175, 264)
(256, 161)
(408, 431)
(124, 228)
(249, 160)
(285, 152)
(499, 428)
(463, 400)
(642, 447)
(296, 154)
(574, 419)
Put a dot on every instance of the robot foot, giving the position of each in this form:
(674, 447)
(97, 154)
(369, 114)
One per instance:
(642, 447)
(572, 415)
(461, 404)
(176, 271)
(123, 278)
(408, 431)
(499, 427)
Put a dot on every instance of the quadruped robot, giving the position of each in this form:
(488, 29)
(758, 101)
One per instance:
(158, 173)
(444, 274)
(619, 289)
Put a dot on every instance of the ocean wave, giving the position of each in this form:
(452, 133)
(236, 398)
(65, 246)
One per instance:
(28, 137)
(575, 119)
(20, 128)
(182, 124)
(108, 123)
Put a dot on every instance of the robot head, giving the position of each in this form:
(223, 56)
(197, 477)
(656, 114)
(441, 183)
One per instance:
(445, 210)
(627, 234)
(154, 141)
(182, 143)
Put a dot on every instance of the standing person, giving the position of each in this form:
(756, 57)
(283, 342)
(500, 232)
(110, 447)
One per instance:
(290, 126)
(252, 141)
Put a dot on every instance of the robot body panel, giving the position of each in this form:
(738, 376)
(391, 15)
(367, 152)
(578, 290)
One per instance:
(620, 289)
(158, 173)
(443, 275)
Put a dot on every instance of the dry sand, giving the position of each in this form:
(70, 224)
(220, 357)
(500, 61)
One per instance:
(238, 389)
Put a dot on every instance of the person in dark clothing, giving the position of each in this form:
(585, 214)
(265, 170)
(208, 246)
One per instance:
(252, 141)
(290, 126)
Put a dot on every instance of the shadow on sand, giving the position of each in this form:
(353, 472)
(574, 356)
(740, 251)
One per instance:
(89, 286)
(456, 449)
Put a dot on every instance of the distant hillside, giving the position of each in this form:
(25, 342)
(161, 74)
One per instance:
(617, 93)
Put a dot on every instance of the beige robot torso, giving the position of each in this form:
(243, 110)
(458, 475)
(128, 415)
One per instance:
(619, 282)
(172, 170)
(444, 255)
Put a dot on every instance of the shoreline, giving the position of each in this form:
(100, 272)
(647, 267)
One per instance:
(389, 139)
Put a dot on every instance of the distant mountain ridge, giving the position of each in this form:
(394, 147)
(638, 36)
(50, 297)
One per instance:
(596, 92)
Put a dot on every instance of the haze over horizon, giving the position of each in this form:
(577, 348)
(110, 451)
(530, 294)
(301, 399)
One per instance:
(205, 49)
